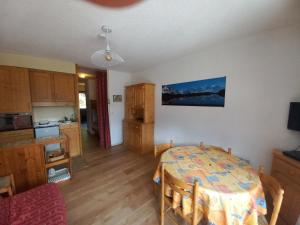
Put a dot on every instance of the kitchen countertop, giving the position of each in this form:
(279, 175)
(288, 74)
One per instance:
(33, 141)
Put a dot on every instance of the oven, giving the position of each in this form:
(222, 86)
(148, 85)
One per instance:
(15, 121)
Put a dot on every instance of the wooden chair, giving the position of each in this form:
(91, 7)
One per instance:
(161, 148)
(7, 185)
(185, 190)
(271, 186)
(229, 151)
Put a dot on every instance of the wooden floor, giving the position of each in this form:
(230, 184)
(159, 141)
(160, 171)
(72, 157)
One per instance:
(114, 187)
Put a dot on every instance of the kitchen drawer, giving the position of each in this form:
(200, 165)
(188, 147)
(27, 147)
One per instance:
(280, 166)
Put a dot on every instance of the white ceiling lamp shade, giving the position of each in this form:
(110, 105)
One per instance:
(106, 58)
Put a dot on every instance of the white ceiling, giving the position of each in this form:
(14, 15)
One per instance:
(146, 34)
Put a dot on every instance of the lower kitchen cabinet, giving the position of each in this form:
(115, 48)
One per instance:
(72, 131)
(26, 163)
(138, 136)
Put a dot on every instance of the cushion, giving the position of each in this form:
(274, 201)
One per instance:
(41, 205)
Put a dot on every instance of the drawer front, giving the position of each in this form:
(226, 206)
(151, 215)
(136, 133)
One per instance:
(282, 167)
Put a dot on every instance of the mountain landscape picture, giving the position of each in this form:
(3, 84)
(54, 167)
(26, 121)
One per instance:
(210, 92)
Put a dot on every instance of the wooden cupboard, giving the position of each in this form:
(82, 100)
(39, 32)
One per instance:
(52, 88)
(72, 131)
(26, 163)
(40, 85)
(138, 136)
(138, 125)
(14, 90)
(63, 85)
(287, 172)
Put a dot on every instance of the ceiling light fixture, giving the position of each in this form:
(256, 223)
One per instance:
(82, 75)
(106, 58)
(115, 3)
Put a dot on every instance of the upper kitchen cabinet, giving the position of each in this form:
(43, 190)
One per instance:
(64, 90)
(52, 88)
(40, 85)
(14, 90)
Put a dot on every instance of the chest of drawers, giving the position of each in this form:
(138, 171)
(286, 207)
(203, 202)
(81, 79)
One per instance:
(287, 172)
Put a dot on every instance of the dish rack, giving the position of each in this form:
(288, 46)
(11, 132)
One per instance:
(60, 175)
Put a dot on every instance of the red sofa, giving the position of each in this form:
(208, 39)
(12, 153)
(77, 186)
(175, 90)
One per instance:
(43, 205)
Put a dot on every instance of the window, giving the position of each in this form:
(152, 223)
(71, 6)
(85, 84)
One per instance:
(82, 101)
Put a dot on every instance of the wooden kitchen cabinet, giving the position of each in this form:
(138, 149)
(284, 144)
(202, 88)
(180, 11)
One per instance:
(52, 88)
(26, 163)
(72, 132)
(41, 86)
(63, 86)
(287, 172)
(14, 90)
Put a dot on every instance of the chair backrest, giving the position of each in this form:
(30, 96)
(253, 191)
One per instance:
(183, 189)
(229, 151)
(159, 149)
(273, 187)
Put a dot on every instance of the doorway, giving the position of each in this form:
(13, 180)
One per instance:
(88, 111)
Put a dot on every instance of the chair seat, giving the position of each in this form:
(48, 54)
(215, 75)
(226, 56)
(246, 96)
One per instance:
(262, 220)
(5, 182)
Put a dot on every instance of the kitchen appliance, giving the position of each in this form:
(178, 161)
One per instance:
(15, 121)
(294, 116)
(47, 129)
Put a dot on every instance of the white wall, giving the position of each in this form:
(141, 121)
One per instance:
(116, 86)
(33, 62)
(263, 76)
(51, 113)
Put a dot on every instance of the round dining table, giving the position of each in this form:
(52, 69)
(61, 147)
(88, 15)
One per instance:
(230, 190)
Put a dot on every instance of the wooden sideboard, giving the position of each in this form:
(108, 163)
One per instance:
(138, 125)
(287, 171)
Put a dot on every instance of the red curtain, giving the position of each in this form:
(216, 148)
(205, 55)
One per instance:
(102, 110)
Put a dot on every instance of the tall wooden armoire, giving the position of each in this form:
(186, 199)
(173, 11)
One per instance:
(138, 125)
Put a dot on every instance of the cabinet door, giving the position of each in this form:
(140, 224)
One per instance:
(41, 86)
(126, 133)
(137, 137)
(14, 90)
(63, 86)
(139, 96)
(129, 102)
(72, 133)
(27, 164)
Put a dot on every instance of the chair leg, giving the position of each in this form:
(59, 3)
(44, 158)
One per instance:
(12, 181)
(10, 193)
(162, 215)
(155, 189)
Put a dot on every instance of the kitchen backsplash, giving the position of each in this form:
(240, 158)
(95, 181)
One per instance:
(51, 113)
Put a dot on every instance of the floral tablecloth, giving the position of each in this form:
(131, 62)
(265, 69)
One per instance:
(230, 189)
